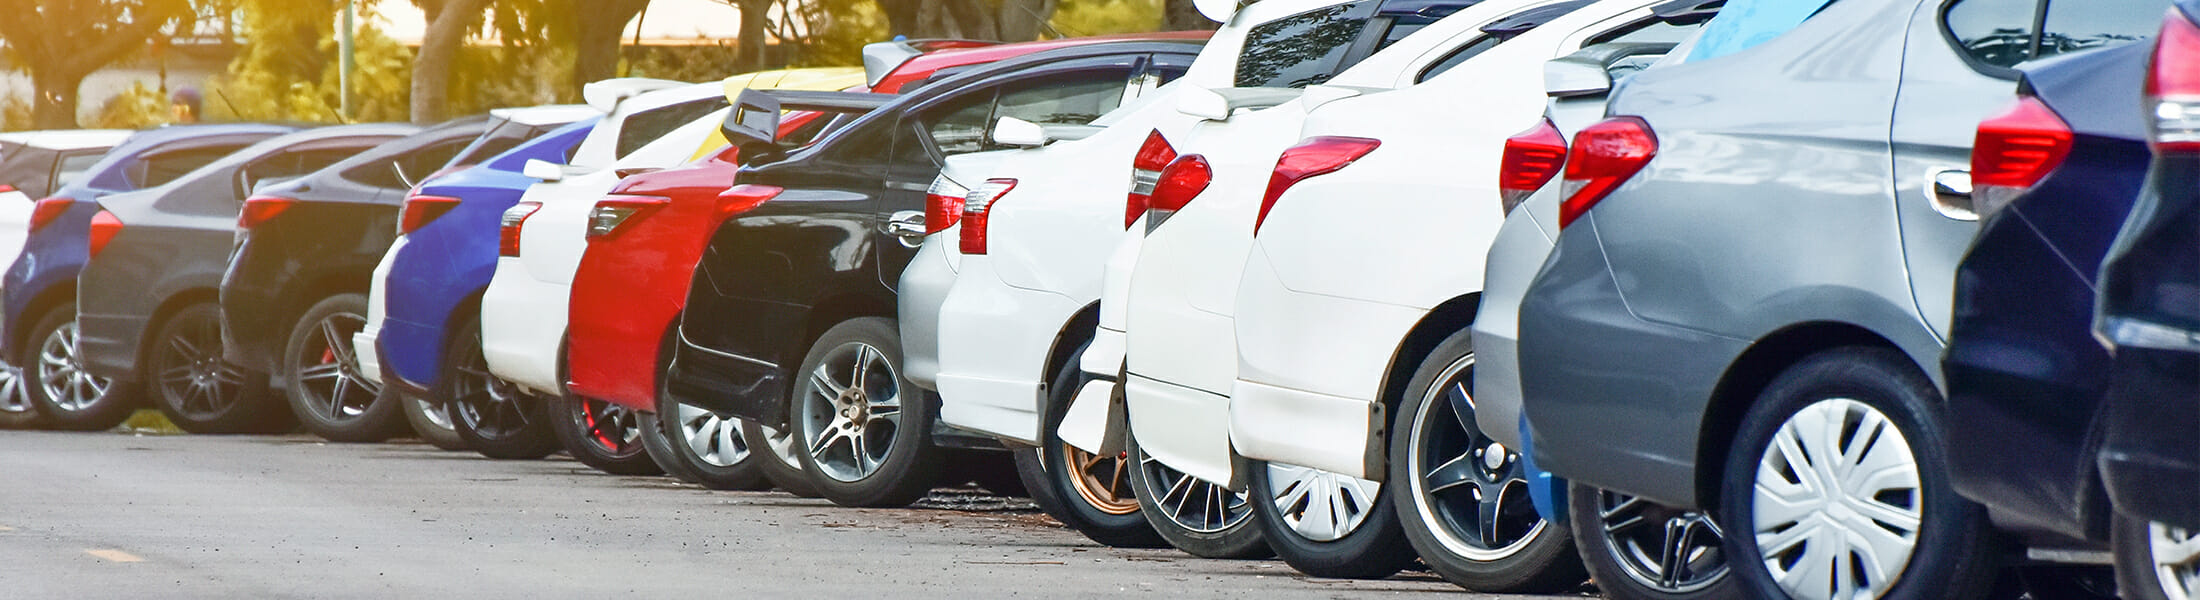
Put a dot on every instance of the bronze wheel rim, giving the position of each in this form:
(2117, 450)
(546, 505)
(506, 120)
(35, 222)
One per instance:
(1102, 481)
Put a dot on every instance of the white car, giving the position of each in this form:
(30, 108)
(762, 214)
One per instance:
(523, 311)
(1370, 239)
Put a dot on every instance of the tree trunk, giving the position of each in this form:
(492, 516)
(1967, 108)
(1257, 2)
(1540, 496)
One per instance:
(431, 77)
(1181, 15)
(752, 42)
(55, 107)
(602, 22)
(1024, 20)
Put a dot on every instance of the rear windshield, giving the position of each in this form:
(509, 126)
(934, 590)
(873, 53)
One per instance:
(1303, 49)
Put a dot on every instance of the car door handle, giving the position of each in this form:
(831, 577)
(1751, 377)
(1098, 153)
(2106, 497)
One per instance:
(907, 225)
(1951, 195)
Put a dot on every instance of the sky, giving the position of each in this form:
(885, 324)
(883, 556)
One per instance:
(666, 19)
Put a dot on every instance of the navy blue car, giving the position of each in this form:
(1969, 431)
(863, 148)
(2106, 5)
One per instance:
(2150, 313)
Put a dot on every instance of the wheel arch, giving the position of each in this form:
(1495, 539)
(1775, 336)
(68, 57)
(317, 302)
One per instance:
(167, 310)
(1754, 369)
(55, 295)
(1447, 319)
(1076, 331)
(834, 310)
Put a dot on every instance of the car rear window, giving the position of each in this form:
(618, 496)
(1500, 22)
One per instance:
(2001, 34)
(1303, 49)
(646, 126)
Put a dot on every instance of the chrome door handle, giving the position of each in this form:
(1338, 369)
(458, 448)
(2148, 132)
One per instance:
(1951, 196)
(907, 225)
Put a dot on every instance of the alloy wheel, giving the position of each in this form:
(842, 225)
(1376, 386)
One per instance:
(191, 374)
(1473, 487)
(61, 373)
(851, 411)
(2176, 554)
(488, 404)
(614, 428)
(1837, 502)
(714, 439)
(1102, 480)
(15, 393)
(1664, 548)
(328, 371)
(1191, 503)
(1321, 506)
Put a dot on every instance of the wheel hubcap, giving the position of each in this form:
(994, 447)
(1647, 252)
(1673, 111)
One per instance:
(1103, 481)
(1472, 489)
(15, 396)
(1191, 503)
(328, 371)
(1321, 506)
(61, 373)
(711, 438)
(1836, 504)
(193, 378)
(1666, 549)
(2176, 553)
(851, 412)
(488, 404)
(610, 427)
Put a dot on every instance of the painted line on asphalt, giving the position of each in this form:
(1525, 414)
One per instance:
(114, 555)
(6, 528)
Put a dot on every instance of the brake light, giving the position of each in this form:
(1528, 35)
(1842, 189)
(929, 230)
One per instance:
(1531, 159)
(943, 205)
(1183, 180)
(258, 209)
(104, 227)
(611, 213)
(421, 210)
(1604, 156)
(5, 188)
(45, 211)
(2014, 150)
(1146, 166)
(1313, 156)
(739, 199)
(509, 226)
(2173, 85)
(978, 211)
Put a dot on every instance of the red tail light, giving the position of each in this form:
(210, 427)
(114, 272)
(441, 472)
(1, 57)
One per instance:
(5, 188)
(610, 214)
(2014, 150)
(508, 228)
(1532, 158)
(1604, 156)
(45, 211)
(978, 211)
(104, 228)
(2173, 85)
(1312, 156)
(421, 210)
(1146, 166)
(258, 209)
(1177, 186)
(739, 199)
(943, 205)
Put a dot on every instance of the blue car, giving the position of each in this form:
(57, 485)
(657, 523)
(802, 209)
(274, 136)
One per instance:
(37, 296)
(2150, 312)
(423, 336)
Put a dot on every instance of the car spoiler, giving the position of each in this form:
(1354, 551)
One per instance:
(882, 58)
(755, 114)
(1588, 72)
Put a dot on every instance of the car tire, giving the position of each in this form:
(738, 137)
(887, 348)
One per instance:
(780, 466)
(494, 417)
(711, 447)
(659, 449)
(320, 372)
(1089, 493)
(602, 435)
(1297, 507)
(852, 373)
(430, 421)
(198, 391)
(1432, 428)
(2139, 574)
(16, 409)
(1629, 547)
(64, 394)
(1849, 403)
(1182, 519)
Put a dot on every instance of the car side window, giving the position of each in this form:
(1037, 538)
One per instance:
(646, 126)
(162, 168)
(959, 126)
(1073, 99)
(2078, 25)
(1459, 56)
(292, 165)
(1995, 33)
(1302, 49)
(1647, 31)
(73, 166)
(418, 164)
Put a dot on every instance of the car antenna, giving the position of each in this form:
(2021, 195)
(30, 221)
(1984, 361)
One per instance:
(232, 106)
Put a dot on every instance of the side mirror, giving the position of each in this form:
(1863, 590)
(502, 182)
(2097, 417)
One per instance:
(544, 170)
(1218, 11)
(1203, 103)
(1011, 131)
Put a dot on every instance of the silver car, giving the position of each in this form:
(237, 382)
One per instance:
(1745, 307)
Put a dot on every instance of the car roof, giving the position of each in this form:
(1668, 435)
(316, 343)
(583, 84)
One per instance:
(538, 116)
(68, 139)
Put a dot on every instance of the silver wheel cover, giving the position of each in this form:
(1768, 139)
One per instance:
(1837, 502)
(710, 438)
(15, 396)
(61, 372)
(2176, 554)
(1319, 505)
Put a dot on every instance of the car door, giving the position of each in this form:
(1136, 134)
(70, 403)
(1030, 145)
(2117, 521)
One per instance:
(1073, 92)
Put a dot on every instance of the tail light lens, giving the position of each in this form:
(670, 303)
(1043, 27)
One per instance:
(611, 213)
(943, 205)
(2173, 85)
(104, 228)
(978, 210)
(47, 210)
(2014, 150)
(1532, 159)
(258, 209)
(421, 210)
(1177, 186)
(1604, 156)
(739, 199)
(509, 227)
(1146, 166)
(1312, 156)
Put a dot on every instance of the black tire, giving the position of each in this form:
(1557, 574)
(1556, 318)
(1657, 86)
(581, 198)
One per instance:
(320, 372)
(831, 413)
(430, 420)
(16, 409)
(711, 447)
(1629, 559)
(1183, 519)
(659, 449)
(780, 466)
(2068, 582)
(1870, 396)
(1373, 548)
(601, 435)
(64, 394)
(1089, 493)
(2137, 575)
(198, 391)
(1477, 529)
(494, 417)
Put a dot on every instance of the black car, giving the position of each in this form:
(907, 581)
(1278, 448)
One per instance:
(296, 288)
(805, 282)
(146, 301)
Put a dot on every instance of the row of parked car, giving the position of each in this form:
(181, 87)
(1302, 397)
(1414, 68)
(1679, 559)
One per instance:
(1693, 298)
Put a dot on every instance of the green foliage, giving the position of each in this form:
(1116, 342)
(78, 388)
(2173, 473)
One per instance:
(838, 29)
(15, 114)
(703, 62)
(1101, 17)
(488, 77)
(136, 108)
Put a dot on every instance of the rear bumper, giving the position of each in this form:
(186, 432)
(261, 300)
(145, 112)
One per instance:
(994, 342)
(1310, 371)
(109, 344)
(523, 327)
(744, 387)
(922, 290)
(1183, 428)
(253, 334)
(1518, 253)
(2149, 460)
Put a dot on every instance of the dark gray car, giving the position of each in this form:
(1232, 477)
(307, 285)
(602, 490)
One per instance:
(1746, 305)
(146, 299)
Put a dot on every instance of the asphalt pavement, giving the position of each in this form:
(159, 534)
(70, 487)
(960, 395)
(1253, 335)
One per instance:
(97, 515)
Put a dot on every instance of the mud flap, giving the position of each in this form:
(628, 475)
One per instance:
(1545, 491)
(1094, 421)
